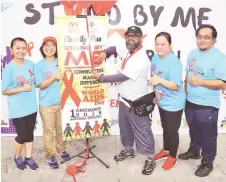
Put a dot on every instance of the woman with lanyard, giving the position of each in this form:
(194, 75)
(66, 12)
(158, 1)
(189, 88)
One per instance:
(18, 84)
(168, 86)
(47, 75)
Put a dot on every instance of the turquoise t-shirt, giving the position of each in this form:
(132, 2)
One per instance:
(43, 70)
(14, 76)
(209, 65)
(169, 68)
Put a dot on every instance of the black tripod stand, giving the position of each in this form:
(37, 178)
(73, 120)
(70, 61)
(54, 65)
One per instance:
(90, 152)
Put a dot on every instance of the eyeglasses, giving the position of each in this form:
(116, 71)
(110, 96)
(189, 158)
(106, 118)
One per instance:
(206, 38)
(132, 36)
(52, 46)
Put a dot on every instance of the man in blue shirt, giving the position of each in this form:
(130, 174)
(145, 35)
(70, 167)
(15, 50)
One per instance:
(206, 76)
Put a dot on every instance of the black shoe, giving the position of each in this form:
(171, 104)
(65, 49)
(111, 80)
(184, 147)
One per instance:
(124, 155)
(52, 162)
(204, 169)
(149, 167)
(190, 155)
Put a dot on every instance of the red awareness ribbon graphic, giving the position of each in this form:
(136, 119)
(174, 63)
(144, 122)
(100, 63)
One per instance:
(31, 74)
(69, 90)
(30, 46)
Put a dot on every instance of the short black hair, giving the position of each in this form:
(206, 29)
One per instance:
(17, 39)
(166, 35)
(214, 31)
(43, 54)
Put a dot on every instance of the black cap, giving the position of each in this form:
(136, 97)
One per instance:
(134, 29)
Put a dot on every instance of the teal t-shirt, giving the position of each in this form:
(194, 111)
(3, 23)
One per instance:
(169, 68)
(43, 70)
(209, 65)
(15, 76)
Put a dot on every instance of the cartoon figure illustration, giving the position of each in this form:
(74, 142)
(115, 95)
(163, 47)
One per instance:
(68, 131)
(105, 125)
(96, 128)
(77, 130)
(87, 129)
(223, 123)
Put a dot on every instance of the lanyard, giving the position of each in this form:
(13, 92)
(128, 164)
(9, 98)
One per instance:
(126, 59)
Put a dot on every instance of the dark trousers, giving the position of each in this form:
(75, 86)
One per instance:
(202, 122)
(135, 128)
(25, 128)
(171, 122)
(106, 130)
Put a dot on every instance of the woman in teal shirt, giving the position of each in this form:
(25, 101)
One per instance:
(18, 83)
(166, 77)
(47, 76)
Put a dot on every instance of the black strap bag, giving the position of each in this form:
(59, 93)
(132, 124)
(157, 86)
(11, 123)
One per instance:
(142, 106)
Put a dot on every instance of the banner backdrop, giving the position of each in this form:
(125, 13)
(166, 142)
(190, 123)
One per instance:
(34, 20)
(83, 99)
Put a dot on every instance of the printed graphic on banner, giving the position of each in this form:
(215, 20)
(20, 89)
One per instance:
(36, 19)
(223, 123)
(7, 126)
(83, 98)
(5, 123)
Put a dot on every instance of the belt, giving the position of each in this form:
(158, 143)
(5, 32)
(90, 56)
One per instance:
(128, 101)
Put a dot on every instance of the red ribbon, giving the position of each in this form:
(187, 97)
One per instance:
(126, 59)
(31, 74)
(30, 46)
(100, 7)
(69, 90)
(75, 169)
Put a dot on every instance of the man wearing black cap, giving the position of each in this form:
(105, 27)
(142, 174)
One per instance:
(133, 77)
